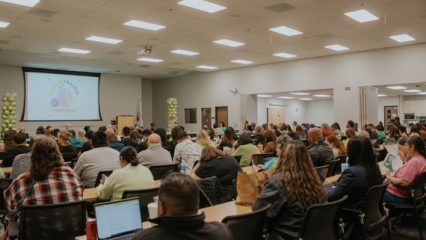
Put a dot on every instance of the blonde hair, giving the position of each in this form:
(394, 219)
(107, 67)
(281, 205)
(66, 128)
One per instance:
(203, 138)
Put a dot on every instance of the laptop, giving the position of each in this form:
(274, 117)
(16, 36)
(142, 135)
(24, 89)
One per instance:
(118, 220)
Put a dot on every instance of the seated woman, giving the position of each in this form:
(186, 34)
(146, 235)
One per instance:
(414, 167)
(270, 141)
(338, 146)
(290, 192)
(362, 173)
(245, 149)
(214, 163)
(227, 140)
(131, 176)
(203, 139)
(275, 164)
(47, 182)
(68, 151)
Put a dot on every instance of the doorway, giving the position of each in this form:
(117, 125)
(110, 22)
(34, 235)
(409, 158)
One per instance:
(222, 115)
(206, 117)
(275, 115)
(391, 112)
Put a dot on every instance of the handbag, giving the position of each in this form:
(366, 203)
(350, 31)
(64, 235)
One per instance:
(249, 186)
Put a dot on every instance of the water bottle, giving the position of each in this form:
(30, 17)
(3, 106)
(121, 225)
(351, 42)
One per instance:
(183, 167)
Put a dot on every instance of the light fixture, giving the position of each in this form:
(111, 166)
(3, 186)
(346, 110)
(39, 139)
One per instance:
(382, 95)
(285, 97)
(412, 90)
(396, 87)
(362, 16)
(144, 25)
(337, 47)
(202, 5)
(26, 3)
(305, 99)
(73, 50)
(184, 52)
(284, 55)
(402, 38)
(300, 93)
(104, 40)
(263, 96)
(147, 59)
(207, 67)
(229, 43)
(240, 61)
(284, 30)
(4, 24)
(422, 93)
(322, 95)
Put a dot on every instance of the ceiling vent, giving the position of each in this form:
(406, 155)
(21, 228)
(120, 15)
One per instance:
(280, 7)
(41, 12)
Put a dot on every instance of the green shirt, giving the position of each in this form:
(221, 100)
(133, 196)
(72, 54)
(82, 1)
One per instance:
(245, 151)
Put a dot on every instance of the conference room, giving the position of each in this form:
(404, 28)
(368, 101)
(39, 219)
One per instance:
(230, 119)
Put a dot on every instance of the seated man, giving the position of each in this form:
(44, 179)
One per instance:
(178, 214)
(22, 162)
(127, 139)
(100, 158)
(144, 145)
(155, 154)
(112, 141)
(20, 147)
(186, 151)
(319, 150)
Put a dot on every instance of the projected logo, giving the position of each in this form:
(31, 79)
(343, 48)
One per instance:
(63, 95)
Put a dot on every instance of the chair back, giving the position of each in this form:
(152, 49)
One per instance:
(373, 212)
(210, 191)
(145, 196)
(332, 167)
(4, 184)
(322, 171)
(238, 158)
(327, 215)
(159, 171)
(52, 221)
(247, 226)
(261, 158)
(418, 190)
(99, 177)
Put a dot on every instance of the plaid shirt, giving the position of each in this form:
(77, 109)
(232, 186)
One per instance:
(61, 185)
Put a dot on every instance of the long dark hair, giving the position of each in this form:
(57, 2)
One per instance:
(45, 156)
(360, 152)
(129, 155)
(418, 143)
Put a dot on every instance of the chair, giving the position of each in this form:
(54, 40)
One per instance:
(159, 171)
(415, 206)
(99, 177)
(238, 158)
(4, 184)
(339, 166)
(145, 196)
(327, 215)
(261, 158)
(371, 215)
(247, 226)
(332, 167)
(322, 171)
(52, 221)
(210, 191)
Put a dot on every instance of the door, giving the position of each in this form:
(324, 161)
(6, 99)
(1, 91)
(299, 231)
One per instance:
(275, 115)
(206, 117)
(222, 115)
(391, 112)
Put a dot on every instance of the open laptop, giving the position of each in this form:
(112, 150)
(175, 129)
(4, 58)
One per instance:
(119, 219)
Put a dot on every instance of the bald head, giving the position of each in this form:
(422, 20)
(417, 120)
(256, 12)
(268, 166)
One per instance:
(314, 135)
(154, 139)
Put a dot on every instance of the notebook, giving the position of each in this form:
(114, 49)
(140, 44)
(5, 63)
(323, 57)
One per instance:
(118, 219)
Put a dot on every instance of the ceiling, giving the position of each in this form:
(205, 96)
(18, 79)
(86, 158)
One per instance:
(390, 92)
(310, 94)
(35, 34)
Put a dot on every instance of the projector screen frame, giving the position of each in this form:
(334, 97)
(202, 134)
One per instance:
(65, 72)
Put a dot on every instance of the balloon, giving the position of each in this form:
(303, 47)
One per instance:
(4, 108)
(4, 99)
(13, 112)
(11, 99)
(13, 104)
(6, 112)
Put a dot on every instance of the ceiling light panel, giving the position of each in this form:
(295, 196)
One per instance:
(337, 47)
(104, 40)
(144, 25)
(412, 90)
(284, 30)
(382, 95)
(396, 87)
(322, 95)
(422, 93)
(264, 96)
(184, 52)
(73, 50)
(243, 62)
(306, 99)
(208, 67)
(229, 43)
(285, 97)
(4, 24)
(147, 59)
(202, 5)
(300, 93)
(284, 55)
(402, 38)
(26, 3)
(362, 16)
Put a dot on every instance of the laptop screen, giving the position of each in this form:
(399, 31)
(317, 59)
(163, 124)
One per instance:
(118, 218)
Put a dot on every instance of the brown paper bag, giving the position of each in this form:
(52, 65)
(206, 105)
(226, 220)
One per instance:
(249, 186)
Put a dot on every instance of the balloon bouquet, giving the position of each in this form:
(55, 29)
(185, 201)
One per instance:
(172, 113)
(8, 113)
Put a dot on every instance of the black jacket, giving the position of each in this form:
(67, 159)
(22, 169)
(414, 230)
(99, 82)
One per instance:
(185, 228)
(320, 153)
(10, 154)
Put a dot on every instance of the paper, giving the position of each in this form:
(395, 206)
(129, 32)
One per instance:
(391, 163)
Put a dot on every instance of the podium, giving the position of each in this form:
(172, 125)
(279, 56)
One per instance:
(124, 121)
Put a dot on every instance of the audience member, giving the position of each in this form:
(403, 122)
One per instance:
(290, 192)
(319, 151)
(143, 145)
(76, 141)
(186, 151)
(101, 158)
(299, 130)
(155, 154)
(112, 141)
(226, 141)
(338, 146)
(270, 139)
(178, 216)
(203, 139)
(19, 146)
(169, 146)
(335, 128)
(127, 139)
(131, 176)
(214, 162)
(22, 162)
(68, 151)
(276, 163)
(245, 149)
(88, 144)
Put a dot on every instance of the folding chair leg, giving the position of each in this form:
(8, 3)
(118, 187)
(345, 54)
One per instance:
(419, 227)
(388, 228)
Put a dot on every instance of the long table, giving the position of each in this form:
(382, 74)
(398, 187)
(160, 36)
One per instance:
(213, 213)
